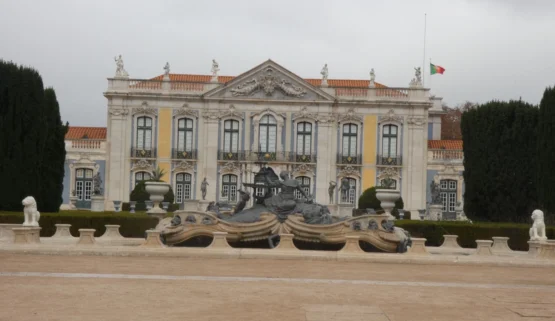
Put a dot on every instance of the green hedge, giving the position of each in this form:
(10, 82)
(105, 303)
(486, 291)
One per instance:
(468, 233)
(131, 225)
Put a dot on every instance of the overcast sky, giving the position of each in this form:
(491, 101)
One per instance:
(491, 49)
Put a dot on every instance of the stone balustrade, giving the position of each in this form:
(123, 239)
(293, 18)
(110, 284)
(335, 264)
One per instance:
(112, 233)
(26, 235)
(62, 231)
(500, 244)
(153, 239)
(547, 250)
(352, 245)
(219, 241)
(533, 248)
(286, 243)
(86, 236)
(418, 247)
(6, 233)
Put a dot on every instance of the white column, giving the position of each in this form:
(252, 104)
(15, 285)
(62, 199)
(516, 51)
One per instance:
(416, 165)
(287, 128)
(117, 149)
(210, 159)
(325, 161)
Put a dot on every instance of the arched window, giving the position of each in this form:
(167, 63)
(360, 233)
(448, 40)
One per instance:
(448, 194)
(184, 135)
(305, 185)
(304, 138)
(349, 196)
(350, 132)
(141, 176)
(229, 188)
(182, 187)
(389, 143)
(231, 136)
(144, 133)
(268, 134)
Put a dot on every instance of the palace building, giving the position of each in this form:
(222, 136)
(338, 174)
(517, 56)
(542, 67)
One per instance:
(222, 128)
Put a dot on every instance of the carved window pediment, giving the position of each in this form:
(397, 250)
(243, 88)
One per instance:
(145, 109)
(185, 110)
(391, 117)
(350, 116)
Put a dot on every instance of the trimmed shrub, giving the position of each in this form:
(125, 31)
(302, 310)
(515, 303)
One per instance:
(140, 195)
(468, 233)
(368, 199)
(131, 225)
(126, 208)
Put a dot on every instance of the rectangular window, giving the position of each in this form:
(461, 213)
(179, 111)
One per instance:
(79, 189)
(452, 201)
(452, 185)
(88, 190)
(444, 200)
(187, 191)
(179, 194)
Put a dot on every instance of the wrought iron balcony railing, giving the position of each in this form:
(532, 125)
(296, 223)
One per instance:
(349, 159)
(139, 152)
(184, 154)
(302, 158)
(232, 156)
(390, 160)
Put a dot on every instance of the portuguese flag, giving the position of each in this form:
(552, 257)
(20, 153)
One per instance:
(436, 69)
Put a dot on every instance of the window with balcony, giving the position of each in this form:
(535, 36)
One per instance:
(268, 134)
(305, 185)
(185, 135)
(389, 145)
(231, 140)
(144, 133)
(229, 188)
(183, 189)
(350, 132)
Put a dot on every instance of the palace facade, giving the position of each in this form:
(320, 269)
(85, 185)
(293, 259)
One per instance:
(222, 128)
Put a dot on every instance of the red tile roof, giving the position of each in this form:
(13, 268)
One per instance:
(352, 83)
(445, 144)
(86, 133)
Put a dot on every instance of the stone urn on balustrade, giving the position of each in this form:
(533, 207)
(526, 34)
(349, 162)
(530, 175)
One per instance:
(387, 197)
(157, 188)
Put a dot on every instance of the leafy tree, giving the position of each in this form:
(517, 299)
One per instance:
(451, 121)
(546, 152)
(499, 141)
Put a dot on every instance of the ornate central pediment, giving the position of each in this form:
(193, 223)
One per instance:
(269, 81)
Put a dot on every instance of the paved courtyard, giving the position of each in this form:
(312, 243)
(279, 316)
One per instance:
(98, 288)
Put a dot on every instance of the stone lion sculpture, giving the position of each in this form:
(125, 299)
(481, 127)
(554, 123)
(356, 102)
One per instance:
(537, 232)
(30, 212)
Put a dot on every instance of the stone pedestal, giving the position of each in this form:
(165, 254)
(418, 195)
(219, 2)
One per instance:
(547, 250)
(219, 241)
(484, 247)
(97, 203)
(86, 236)
(435, 212)
(286, 243)
(192, 205)
(500, 244)
(26, 235)
(450, 241)
(533, 248)
(334, 210)
(202, 205)
(418, 247)
(153, 239)
(6, 233)
(62, 231)
(352, 245)
(72, 202)
(345, 210)
(112, 232)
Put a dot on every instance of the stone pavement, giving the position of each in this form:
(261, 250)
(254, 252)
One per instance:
(34, 287)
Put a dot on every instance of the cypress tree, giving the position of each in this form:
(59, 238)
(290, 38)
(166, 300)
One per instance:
(22, 134)
(546, 152)
(499, 144)
(54, 154)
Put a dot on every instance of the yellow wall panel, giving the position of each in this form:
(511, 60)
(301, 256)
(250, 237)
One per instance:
(166, 166)
(164, 132)
(368, 178)
(369, 140)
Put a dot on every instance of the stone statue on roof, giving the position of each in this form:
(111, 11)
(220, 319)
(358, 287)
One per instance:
(120, 71)
(324, 73)
(372, 78)
(167, 69)
(215, 68)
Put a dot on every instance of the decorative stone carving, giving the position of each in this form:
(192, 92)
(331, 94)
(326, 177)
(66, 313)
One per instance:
(416, 121)
(30, 213)
(268, 83)
(203, 187)
(350, 115)
(120, 71)
(142, 164)
(214, 70)
(185, 110)
(231, 112)
(303, 169)
(183, 166)
(304, 113)
(349, 171)
(417, 80)
(230, 168)
(326, 118)
(144, 109)
(118, 111)
(372, 83)
(211, 115)
(280, 116)
(391, 117)
(389, 172)
(324, 74)
(537, 232)
(331, 190)
(167, 69)
(434, 192)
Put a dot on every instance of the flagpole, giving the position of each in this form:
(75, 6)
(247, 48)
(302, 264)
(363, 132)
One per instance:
(424, 55)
